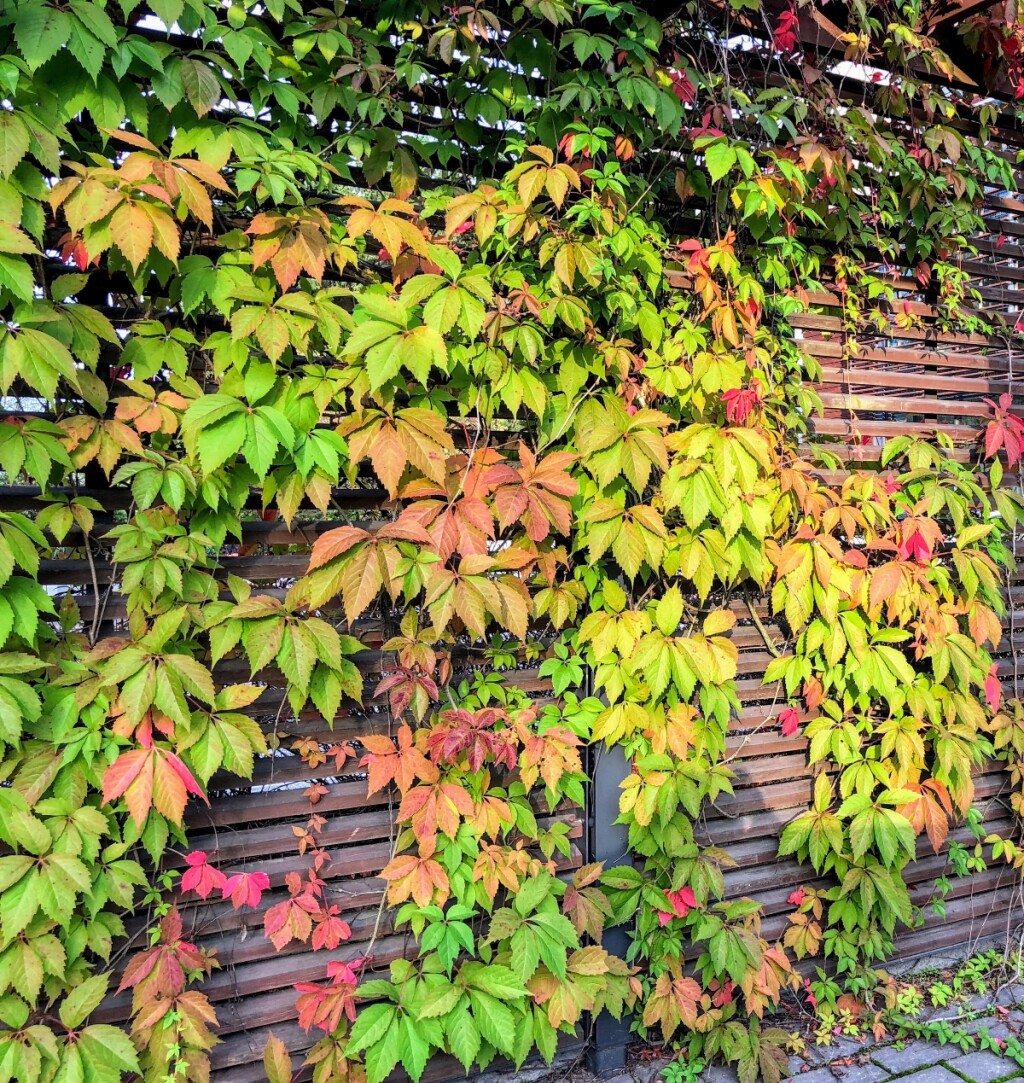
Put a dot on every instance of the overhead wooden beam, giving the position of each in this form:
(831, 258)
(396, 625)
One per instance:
(956, 10)
(817, 31)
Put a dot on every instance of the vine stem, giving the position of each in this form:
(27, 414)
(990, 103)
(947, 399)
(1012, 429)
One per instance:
(775, 652)
(97, 611)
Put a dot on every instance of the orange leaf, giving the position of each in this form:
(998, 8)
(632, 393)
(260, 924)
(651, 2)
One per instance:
(150, 778)
(403, 765)
(335, 543)
(419, 878)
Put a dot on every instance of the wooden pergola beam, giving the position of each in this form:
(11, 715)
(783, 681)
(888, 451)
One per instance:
(956, 10)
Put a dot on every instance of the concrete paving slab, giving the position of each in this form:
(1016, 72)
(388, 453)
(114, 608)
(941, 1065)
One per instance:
(985, 1066)
(915, 1054)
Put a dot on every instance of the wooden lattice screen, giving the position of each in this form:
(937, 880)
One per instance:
(885, 383)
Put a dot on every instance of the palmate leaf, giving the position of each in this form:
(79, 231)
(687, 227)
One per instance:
(228, 741)
(390, 341)
(673, 1004)
(537, 493)
(403, 765)
(931, 812)
(420, 878)
(635, 535)
(613, 443)
(412, 437)
(217, 427)
(150, 778)
(483, 588)
(35, 357)
(437, 808)
(292, 243)
(388, 222)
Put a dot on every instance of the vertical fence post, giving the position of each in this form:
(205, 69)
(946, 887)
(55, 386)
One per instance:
(608, 842)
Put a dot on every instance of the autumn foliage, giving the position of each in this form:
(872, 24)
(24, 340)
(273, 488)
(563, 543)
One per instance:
(483, 323)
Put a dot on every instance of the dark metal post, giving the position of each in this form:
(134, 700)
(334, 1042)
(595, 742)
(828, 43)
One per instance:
(608, 842)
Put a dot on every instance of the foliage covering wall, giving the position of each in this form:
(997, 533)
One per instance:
(253, 255)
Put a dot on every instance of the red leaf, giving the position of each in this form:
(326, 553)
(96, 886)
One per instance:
(784, 38)
(813, 693)
(201, 877)
(246, 888)
(740, 402)
(131, 776)
(162, 967)
(993, 689)
(290, 920)
(682, 902)
(330, 932)
(342, 972)
(789, 718)
(324, 1006)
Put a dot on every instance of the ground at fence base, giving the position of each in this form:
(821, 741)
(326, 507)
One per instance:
(850, 1061)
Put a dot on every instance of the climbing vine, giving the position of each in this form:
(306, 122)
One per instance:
(528, 277)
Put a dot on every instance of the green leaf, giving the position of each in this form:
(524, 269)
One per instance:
(495, 1021)
(719, 157)
(497, 980)
(18, 904)
(35, 357)
(110, 1048)
(85, 48)
(12, 868)
(414, 1048)
(532, 893)
(96, 21)
(403, 173)
(202, 87)
(82, 1001)
(13, 142)
(40, 30)
(371, 1025)
(382, 1057)
(862, 832)
(669, 611)
(463, 1037)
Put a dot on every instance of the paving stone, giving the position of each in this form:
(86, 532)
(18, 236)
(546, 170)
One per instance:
(841, 1047)
(853, 1073)
(985, 1067)
(995, 1027)
(913, 1055)
(648, 1071)
(1010, 994)
(935, 1074)
(721, 1074)
(819, 1075)
(863, 1073)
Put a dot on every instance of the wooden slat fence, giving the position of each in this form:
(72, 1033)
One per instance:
(875, 384)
